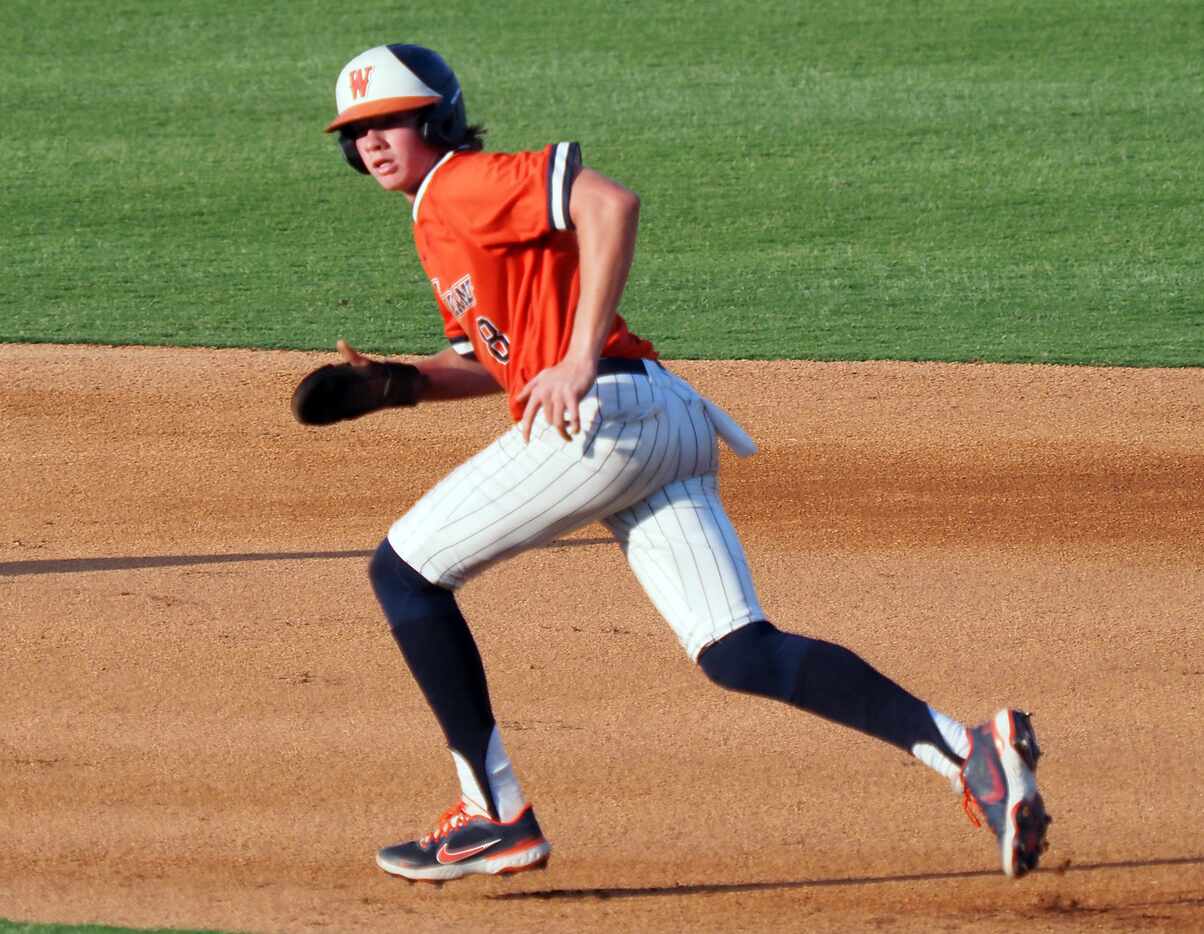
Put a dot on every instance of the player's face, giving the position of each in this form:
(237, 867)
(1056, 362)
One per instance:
(394, 151)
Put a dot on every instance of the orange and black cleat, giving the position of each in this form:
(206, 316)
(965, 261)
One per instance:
(465, 843)
(999, 782)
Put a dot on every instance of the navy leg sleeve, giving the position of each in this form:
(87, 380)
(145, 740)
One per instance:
(442, 655)
(821, 678)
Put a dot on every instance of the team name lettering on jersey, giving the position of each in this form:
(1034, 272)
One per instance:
(459, 298)
(358, 77)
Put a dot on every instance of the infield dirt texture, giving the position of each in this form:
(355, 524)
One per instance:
(205, 721)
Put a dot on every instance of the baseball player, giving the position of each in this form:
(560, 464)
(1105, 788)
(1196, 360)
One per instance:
(527, 254)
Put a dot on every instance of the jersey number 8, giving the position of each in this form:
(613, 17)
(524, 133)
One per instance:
(497, 343)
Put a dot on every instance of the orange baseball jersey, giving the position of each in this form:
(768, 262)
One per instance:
(494, 235)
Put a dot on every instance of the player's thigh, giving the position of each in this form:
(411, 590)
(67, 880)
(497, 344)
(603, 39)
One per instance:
(686, 554)
(516, 495)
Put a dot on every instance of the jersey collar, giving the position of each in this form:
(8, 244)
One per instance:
(426, 180)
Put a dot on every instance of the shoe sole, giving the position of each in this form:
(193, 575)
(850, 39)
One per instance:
(531, 855)
(1024, 834)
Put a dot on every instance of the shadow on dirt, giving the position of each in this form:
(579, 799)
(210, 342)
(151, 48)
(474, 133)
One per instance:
(136, 562)
(721, 888)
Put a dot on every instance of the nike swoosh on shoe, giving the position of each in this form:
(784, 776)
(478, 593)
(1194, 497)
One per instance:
(447, 856)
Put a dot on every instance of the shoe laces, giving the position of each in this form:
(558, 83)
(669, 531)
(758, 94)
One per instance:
(971, 807)
(451, 819)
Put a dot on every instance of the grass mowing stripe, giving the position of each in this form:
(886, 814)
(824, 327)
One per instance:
(949, 180)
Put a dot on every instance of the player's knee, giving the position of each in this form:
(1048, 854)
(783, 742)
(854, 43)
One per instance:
(737, 660)
(387, 570)
(406, 596)
(756, 659)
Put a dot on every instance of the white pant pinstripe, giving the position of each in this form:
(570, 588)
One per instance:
(644, 463)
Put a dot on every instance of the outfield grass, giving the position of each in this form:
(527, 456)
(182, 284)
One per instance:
(1014, 180)
(947, 180)
(17, 927)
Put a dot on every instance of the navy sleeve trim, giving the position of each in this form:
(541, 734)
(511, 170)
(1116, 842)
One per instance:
(563, 166)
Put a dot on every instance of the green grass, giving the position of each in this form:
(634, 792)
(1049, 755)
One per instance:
(845, 179)
(1011, 180)
(17, 927)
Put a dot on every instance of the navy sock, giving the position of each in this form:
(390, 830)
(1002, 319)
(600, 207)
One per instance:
(821, 678)
(442, 655)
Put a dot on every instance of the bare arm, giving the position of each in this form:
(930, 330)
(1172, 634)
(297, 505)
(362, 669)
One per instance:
(606, 217)
(449, 375)
(455, 377)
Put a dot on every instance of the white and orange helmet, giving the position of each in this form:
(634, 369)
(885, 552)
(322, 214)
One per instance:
(390, 79)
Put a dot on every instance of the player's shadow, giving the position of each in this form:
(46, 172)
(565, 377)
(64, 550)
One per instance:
(843, 882)
(136, 562)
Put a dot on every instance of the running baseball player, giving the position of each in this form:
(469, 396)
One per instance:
(528, 254)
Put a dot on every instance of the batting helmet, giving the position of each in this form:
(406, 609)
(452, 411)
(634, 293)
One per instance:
(391, 79)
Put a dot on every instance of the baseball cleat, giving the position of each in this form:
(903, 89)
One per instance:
(999, 782)
(466, 844)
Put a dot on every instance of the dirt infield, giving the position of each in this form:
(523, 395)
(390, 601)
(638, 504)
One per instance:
(206, 723)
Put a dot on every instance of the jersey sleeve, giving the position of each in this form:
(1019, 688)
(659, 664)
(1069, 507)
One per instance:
(564, 162)
(511, 198)
(455, 335)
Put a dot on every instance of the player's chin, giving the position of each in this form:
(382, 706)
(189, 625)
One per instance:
(390, 177)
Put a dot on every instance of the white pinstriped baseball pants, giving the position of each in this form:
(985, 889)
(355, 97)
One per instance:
(644, 464)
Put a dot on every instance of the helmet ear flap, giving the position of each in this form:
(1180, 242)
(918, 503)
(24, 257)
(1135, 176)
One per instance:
(351, 154)
(445, 124)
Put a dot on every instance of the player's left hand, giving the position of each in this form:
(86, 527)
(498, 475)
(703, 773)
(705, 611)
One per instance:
(557, 391)
(336, 392)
